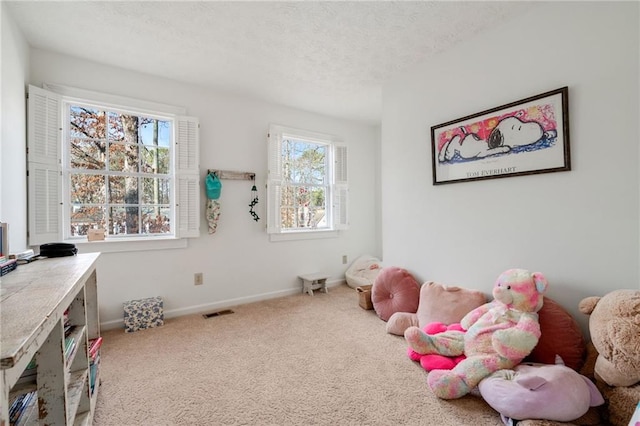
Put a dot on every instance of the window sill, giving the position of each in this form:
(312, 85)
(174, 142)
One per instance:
(303, 235)
(129, 245)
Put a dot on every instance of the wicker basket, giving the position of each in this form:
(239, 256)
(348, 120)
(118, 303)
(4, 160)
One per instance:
(364, 296)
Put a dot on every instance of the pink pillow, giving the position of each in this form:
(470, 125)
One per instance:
(446, 304)
(394, 290)
(561, 335)
(438, 303)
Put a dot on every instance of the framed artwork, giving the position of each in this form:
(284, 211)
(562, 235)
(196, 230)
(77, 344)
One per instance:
(529, 136)
(4, 240)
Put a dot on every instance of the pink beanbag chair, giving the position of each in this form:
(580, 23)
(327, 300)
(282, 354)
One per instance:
(394, 290)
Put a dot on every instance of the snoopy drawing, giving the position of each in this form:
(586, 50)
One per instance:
(509, 133)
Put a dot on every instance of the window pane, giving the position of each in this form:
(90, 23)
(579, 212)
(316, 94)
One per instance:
(163, 160)
(126, 128)
(87, 154)
(303, 207)
(309, 204)
(288, 216)
(155, 220)
(84, 218)
(125, 149)
(304, 162)
(155, 160)
(287, 213)
(155, 132)
(123, 220)
(87, 189)
(116, 132)
(155, 191)
(123, 190)
(123, 158)
(86, 123)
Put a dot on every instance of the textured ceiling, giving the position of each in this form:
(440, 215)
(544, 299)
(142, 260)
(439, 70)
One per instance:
(327, 57)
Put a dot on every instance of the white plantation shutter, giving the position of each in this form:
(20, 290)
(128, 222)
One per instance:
(187, 144)
(44, 142)
(187, 177)
(44, 121)
(340, 187)
(44, 166)
(274, 180)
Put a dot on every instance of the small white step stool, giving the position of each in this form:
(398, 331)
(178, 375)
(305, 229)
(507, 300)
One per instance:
(314, 281)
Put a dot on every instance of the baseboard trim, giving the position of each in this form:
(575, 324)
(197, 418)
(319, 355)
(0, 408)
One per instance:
(224, 304)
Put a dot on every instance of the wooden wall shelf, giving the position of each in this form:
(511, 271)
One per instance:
(228, 174)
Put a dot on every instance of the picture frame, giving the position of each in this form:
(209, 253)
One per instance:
(525, 137)
(4, 239)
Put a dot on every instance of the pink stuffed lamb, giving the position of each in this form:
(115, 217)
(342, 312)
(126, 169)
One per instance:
(500, 334)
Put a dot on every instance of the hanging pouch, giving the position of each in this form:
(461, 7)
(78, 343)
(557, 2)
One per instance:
(213, 215)
(214, 186)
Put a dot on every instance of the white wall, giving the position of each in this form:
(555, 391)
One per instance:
(13, 169)
(580, 228)
(238, 261)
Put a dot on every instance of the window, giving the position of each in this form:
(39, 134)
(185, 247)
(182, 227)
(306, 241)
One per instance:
(132, 172)
(307, 184)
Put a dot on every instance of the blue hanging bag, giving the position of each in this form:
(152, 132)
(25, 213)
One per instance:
(213, 185)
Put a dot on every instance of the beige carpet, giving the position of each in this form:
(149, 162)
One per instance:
(299, 360)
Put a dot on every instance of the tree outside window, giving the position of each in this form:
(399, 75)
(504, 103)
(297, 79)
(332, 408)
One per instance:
(307, 188)
(119, 172)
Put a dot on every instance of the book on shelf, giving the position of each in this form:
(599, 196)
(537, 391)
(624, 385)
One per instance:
(69, 346)
(23, 254)
(67, 329)
(29, 376)
(93, 372)
(23, 257)
(30, 413)
(94, 347)
(21, 407)
(8, 266)
(24, 260)
(94, 360)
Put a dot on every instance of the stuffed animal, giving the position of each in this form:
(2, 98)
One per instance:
(499, 334)
(436, 361)
(540, 391)
(614, 324)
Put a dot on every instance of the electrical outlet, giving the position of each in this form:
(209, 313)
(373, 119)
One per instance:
(344, 259)
(197, 278)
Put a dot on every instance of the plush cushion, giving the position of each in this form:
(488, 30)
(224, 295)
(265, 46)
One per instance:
(538, 391)
(363, 271)
(438, 303)
(446, 304)
(394, 290)
(560, 335)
